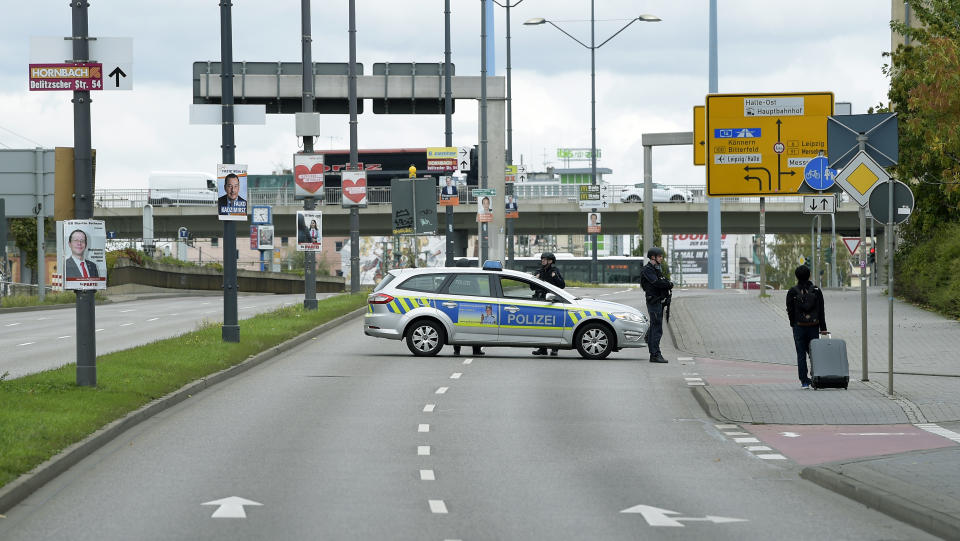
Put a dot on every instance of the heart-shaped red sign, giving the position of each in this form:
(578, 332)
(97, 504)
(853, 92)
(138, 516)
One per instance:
(355, 189)
(310, 179)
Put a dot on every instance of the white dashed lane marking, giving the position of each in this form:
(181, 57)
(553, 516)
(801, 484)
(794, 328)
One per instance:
(773, 456)
(437, 506)
(125, 311)
(467, 361)
(429, 408)
(760, 451)
(153, 319)
(723, 427)
(12, 324)
(125, 324)
(423, 428)
(939, 430)
(423, 450)
(456, 375)
(62, 337)
(442, 390)
(746, 440)
(26, 344)
(427, 475)
(755, 448)
(98, 330)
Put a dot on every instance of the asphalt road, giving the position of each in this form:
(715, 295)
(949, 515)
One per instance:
(40, 340)
(350, 437)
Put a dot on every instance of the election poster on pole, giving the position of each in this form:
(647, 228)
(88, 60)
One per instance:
(83, 261)
(309, 230)
(232, 189)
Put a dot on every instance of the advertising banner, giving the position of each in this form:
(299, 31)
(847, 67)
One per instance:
(78, 77)
(593, 222)
(511, 210)
(354, 186)
(254, 231)
(265, 237)
(232, 189)
(83, 260)
(449, 194)
(689, 257)
(309, 230)
(308, 176)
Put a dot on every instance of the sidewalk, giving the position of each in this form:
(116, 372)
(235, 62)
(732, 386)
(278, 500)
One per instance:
(742, 348)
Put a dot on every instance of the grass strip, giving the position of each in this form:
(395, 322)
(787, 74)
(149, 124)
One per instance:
(52, 298)
(42, 414)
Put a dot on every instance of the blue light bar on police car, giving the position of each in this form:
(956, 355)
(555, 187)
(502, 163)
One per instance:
(492, 265)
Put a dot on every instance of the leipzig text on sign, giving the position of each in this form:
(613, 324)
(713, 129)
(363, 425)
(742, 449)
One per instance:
(759, 144)
(74, 77)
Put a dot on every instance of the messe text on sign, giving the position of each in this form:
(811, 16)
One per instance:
(758, 144)
(75, 77)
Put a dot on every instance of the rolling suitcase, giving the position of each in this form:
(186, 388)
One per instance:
(828, 363)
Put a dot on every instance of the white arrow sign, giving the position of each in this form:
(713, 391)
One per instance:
(659, 517)
(463, 158)
(231, 507)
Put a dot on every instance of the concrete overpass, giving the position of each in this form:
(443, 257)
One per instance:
(123, 212)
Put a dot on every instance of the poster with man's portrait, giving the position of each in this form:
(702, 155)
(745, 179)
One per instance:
(232, 191)
(265, 237)
(484, 209)
(449, 195)
(511, 208)
(593, 222)
(309, 231)
(82, 261)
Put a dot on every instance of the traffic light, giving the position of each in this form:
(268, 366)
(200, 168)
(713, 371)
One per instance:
(872, 256)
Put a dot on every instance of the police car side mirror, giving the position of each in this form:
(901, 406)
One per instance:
(551, 297)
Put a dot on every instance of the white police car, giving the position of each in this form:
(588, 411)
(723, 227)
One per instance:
(431, 307)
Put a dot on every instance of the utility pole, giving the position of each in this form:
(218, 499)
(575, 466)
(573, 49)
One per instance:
(448, 120)
(83, 203)
(309, 257)
(352, 97)
(231, 330)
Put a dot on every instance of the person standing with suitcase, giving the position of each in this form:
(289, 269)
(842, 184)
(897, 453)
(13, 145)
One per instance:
(806, 313)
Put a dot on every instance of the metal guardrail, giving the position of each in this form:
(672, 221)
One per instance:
(380, 195)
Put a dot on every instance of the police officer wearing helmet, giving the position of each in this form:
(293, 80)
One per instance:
(657, 289)
(548, 272)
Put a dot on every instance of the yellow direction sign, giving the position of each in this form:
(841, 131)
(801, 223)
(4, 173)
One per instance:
(759, 144)
(699, 135)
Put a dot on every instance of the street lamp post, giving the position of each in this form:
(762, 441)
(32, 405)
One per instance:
(593, 99)
(508, 5)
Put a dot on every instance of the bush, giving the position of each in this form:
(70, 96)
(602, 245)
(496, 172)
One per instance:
(928, 273)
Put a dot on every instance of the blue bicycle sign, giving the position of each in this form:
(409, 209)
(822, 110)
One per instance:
(818, 175)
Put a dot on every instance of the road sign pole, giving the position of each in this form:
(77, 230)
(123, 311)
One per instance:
(83, 204)
(231, 330)
(714, 276)
(484, 162)
(309, 203)
(833, 251)
(863, 295)
(448, 122)
(763, 247)
(889, 238)
(352, 106)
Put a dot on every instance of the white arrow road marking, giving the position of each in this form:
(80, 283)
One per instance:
(231, 507)
(790, 434)
(659, 517)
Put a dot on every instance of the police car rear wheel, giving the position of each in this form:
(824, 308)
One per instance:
(594, 341)
(425, 338)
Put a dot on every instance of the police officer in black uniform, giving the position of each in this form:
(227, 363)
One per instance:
(548, 272)
(657, 289)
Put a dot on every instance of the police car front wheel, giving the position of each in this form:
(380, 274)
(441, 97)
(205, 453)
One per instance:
(594, 341)
(425, 338)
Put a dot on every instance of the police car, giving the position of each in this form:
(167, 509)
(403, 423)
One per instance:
(431, 307)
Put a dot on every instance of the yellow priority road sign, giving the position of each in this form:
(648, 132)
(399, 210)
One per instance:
(759, 144)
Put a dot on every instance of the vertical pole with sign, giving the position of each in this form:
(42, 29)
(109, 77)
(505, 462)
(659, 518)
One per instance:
(230, 331)
(448, 122)
(83, 205)
(309, 203)
(352, 98)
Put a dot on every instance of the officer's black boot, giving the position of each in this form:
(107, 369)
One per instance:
(541, 351)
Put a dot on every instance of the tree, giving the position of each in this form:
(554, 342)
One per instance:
(24, 232)
(925, 92)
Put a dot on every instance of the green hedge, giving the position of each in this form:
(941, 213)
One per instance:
(928, 273)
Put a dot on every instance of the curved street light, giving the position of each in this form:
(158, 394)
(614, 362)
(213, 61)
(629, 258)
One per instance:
(647, 18)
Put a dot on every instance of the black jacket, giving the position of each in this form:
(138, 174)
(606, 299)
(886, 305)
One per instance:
(792, 300)
(654, 284)
(551, 275)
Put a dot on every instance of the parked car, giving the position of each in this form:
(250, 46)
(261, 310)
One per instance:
(430, 307)
(662, 193)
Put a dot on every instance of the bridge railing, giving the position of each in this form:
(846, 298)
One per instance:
(380, 195)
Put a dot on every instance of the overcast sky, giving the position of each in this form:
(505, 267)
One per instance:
(648, 78)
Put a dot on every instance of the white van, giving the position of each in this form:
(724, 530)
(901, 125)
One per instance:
(182, 188)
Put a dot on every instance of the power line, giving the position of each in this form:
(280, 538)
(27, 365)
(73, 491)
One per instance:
(20, 136)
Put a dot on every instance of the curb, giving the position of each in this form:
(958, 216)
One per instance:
(884, 501)
(709, 404)
(28, 483)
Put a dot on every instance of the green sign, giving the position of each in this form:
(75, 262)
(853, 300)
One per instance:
(477, 192)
